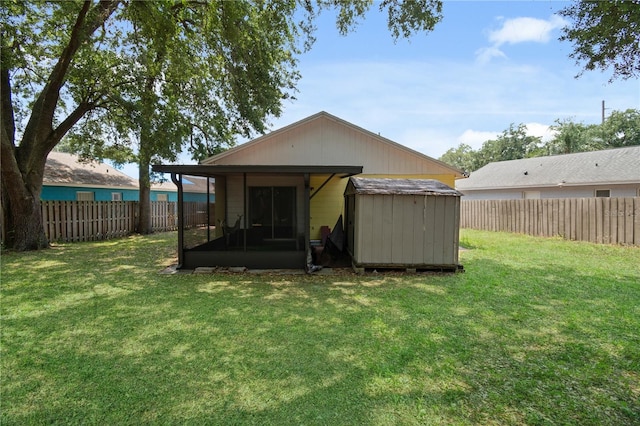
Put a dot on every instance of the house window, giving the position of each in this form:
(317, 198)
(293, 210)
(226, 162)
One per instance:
(161, 197)
(531, 195)
(84, 195)
(603, 193)
(116, 196)
(273, 210)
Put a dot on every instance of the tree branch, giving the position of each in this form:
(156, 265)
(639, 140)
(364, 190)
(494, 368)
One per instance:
(67, 124)
(40, 122)
(6, 107)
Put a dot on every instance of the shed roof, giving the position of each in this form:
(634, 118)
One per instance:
(611, 166)
(385, 186)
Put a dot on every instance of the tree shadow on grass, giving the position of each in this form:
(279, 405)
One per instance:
(544, 344)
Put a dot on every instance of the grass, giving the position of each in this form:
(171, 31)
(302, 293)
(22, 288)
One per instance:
(536, 331)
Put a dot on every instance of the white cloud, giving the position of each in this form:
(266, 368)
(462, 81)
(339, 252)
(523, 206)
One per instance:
(520, 30)
(540, 130)
(484, 55)
(475, 138)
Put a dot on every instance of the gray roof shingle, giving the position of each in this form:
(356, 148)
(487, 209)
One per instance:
(620, 165)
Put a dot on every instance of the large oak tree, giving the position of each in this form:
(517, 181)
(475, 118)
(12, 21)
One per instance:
(164, 73)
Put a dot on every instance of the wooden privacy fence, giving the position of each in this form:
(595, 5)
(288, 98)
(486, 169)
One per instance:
(597, 220)
(68, 221)
(87, 220)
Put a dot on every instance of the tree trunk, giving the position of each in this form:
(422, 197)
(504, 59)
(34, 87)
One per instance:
(22, 221)
(144, 204)
(21, 215)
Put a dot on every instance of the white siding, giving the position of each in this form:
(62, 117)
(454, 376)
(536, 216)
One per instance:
(325, 140)
(558, 192)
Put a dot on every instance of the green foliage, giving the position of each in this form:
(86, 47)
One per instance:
(573, 137)
(145, 79)
(621, 128)
(536, 331)
(463, 157)
(605, 35)
(512, 144)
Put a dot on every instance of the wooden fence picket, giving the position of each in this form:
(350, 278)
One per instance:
(71, 221)
(598, 220)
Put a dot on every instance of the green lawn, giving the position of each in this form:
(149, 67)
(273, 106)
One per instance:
(536, 331)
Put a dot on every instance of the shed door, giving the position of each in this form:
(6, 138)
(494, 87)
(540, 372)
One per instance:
(350, 214)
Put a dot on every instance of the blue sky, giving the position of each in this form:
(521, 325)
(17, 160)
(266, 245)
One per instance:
(485, 66)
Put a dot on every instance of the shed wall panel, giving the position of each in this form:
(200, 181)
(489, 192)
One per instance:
(418, 219)
(410, 229)
(429, 224)
(440, 219)
(405, 230)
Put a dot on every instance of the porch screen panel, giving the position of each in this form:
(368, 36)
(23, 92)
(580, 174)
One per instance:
(273, 209)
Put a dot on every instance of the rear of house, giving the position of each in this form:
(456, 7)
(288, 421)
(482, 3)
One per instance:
(277, 192)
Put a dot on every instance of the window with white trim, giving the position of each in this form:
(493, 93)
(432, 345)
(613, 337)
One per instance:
(603, 193)
(116, 196)
(162, 197)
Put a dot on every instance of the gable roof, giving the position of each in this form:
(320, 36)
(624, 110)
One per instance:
(611, 166)
(323, 139)
(62, 169)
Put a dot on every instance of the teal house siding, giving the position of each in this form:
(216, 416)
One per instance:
(65, 176)
(69, 193)
(197, 197)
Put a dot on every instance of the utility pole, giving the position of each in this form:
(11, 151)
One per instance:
(603, 109)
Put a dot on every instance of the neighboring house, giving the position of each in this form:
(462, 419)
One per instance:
(607, 173)
(276, 192)
(66, 178)
(195, 190)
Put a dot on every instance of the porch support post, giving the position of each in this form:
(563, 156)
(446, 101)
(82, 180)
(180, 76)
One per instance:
(244, 207)
(208, 211)
(177, 180)
(307, 213)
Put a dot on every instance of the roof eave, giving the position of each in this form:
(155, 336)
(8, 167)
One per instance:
(216, 169)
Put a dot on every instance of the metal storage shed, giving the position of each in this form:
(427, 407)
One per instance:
(402, 223)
